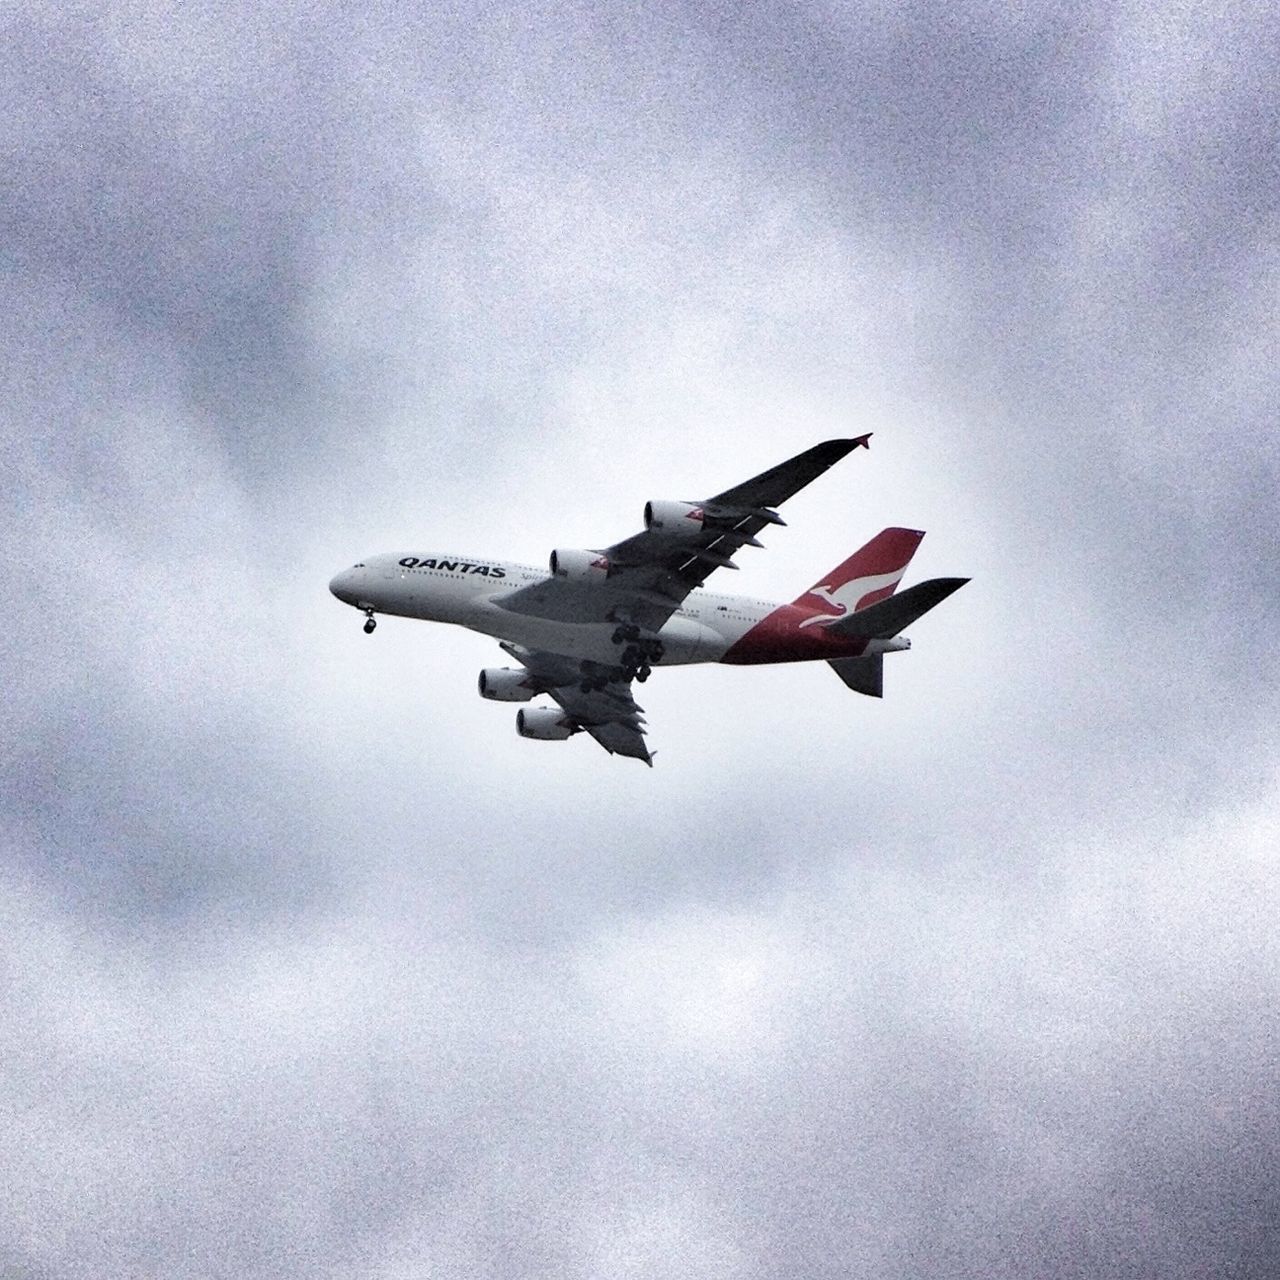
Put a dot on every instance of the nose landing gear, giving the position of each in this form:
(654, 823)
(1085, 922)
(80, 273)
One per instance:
(369, 622)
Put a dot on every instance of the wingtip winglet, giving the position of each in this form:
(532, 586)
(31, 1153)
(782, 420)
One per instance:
(861, 442)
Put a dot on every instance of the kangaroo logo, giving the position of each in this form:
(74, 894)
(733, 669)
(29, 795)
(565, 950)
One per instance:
(847, 597)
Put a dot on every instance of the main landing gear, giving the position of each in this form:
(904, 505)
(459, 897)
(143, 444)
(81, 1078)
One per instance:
(635, 663)
(638, 659)
(639, 655)
(369, 622)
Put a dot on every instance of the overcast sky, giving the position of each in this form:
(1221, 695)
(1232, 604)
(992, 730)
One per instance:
(311, 967)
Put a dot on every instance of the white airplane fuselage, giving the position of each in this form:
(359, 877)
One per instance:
(467, 592)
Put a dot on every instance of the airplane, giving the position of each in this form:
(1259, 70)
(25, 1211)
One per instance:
(599, 621)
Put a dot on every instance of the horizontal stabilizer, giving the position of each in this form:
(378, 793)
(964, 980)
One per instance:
(884, 620)
(862, 675)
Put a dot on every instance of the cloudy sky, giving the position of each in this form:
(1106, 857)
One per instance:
(312, 968)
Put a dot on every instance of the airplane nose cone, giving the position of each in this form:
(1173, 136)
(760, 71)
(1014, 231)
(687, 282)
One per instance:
(340, 587)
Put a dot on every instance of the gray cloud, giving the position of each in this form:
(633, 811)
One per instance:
(314, 968)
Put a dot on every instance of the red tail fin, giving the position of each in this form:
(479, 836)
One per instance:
(866, 577)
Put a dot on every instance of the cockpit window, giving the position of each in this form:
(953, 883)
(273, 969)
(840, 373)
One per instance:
(357, 566)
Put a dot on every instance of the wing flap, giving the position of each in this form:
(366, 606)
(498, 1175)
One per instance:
(618, 740)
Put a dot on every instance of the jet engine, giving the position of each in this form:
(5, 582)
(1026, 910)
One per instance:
(579, 566)
(679, 520)
(502, 684)
(547, 724)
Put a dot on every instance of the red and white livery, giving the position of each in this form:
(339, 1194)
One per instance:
(597, 621)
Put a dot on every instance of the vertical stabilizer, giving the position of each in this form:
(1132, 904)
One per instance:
(868, 576)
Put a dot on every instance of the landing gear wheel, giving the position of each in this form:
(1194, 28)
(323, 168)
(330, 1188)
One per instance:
(369, 622)
(643, 674)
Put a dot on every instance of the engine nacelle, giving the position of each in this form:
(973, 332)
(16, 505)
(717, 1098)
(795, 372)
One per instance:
(547, 724)
(502, 684)
(588, 567)
(679, 520)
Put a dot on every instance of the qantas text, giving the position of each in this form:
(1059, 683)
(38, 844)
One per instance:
(454, 566)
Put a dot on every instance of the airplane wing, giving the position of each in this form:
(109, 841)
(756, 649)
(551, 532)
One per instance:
(608, 713)
(644, 578)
